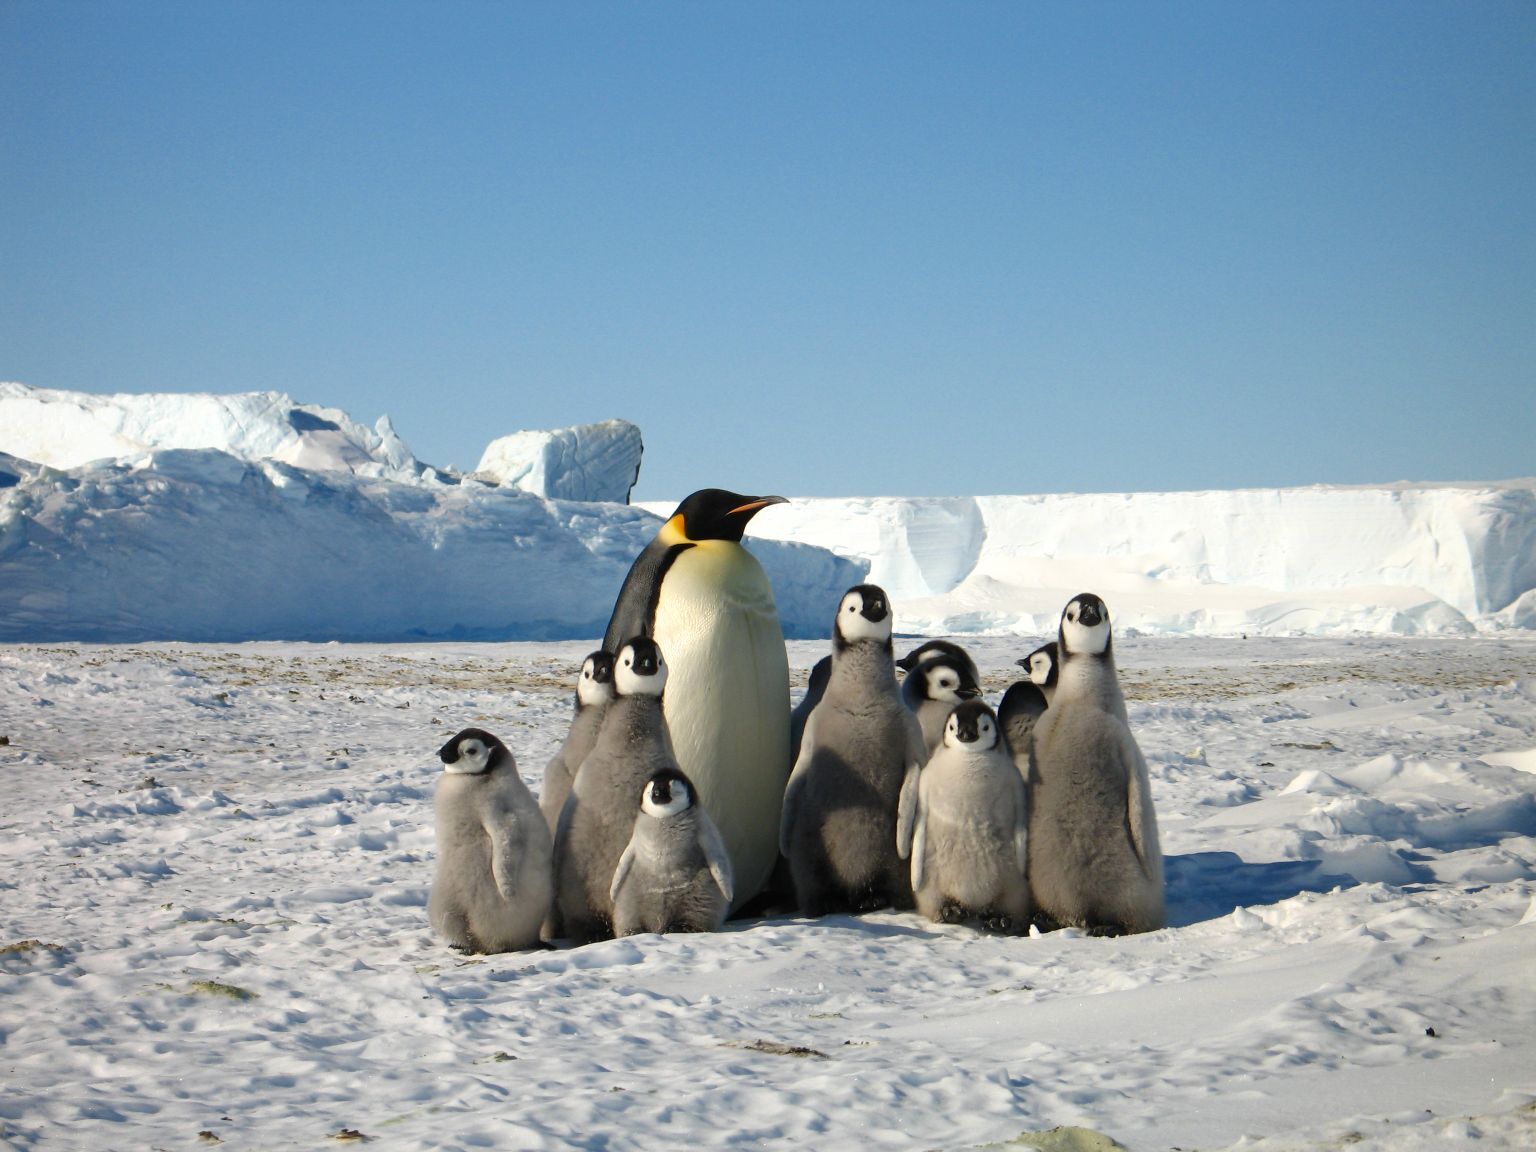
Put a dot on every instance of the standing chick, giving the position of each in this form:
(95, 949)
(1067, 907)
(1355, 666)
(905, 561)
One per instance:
(815, 688)
(1017, 714)
(675, 875)
(969, 827)
(493, 884)
(599, 814)
(1040, 666)
(930, 648)
(860, 743)
(1094, 859)
(594, 689)
(934, 689)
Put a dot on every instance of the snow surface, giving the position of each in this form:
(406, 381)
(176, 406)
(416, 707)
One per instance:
(587, 462)
(214, 866)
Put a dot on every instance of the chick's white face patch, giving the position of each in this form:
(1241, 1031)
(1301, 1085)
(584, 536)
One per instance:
(1080, 638)
(474, 758)
(854, 626)
(679, 801)
(943, 684)
(631, 683)
(1040, 668)
(591, 690)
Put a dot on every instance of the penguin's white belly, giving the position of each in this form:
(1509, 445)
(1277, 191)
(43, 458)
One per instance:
(727, 698)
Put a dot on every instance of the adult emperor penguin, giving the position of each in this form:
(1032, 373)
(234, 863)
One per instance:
(594, 688)
(674, 876)
(968, 829)
(934, 688)
(1017, 714)
(492, 885)
(1094, 858)
(707, 602)
(599, 815)
(1040, 666)
(861, 743)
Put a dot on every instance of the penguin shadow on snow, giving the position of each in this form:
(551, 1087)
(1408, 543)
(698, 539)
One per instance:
(1210, 885)
(864, 924)
(1207, 885)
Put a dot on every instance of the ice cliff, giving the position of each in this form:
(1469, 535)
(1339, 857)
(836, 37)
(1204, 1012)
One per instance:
(67, 429)
(187, 544)
(1402, 558)
(249, 516)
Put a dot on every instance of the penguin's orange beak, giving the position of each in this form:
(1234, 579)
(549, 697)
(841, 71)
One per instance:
(756, 504)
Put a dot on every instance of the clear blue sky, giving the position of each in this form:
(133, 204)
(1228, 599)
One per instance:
(811, 248)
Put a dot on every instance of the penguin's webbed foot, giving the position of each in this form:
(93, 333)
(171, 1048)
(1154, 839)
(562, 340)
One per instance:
(999, 922)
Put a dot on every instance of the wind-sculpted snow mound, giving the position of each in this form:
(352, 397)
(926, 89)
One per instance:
(201, 545)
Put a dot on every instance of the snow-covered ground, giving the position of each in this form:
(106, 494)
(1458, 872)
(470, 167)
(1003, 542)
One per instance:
(213, 928)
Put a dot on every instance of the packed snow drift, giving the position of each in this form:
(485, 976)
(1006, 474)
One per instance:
(253, 517)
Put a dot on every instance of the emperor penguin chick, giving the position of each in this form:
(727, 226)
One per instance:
(930, 648)
(860, 744)
(599, 815)
(1094, 858)
(675, 875)
(493, 884)
(1017, 714)
(594, 688)
(1040, 666)
(968, 829)
(936, 687)
(815, 689)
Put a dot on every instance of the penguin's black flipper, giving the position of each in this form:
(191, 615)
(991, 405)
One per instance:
(634, 613)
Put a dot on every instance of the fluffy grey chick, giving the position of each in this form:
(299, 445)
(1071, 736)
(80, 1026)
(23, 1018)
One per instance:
(492, 885)
(675, 874)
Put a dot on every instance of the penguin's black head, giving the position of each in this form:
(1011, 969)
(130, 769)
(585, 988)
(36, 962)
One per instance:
(598, 667)
(874, 605)
(666, 793)
(639, 669)
(944, 678)
(472, 752)
(972, 725)
(1041, 664)
(1022, 700)
(930, 648)
(596, 683)
(1084, 627)
(864, 613)
(715, 514)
